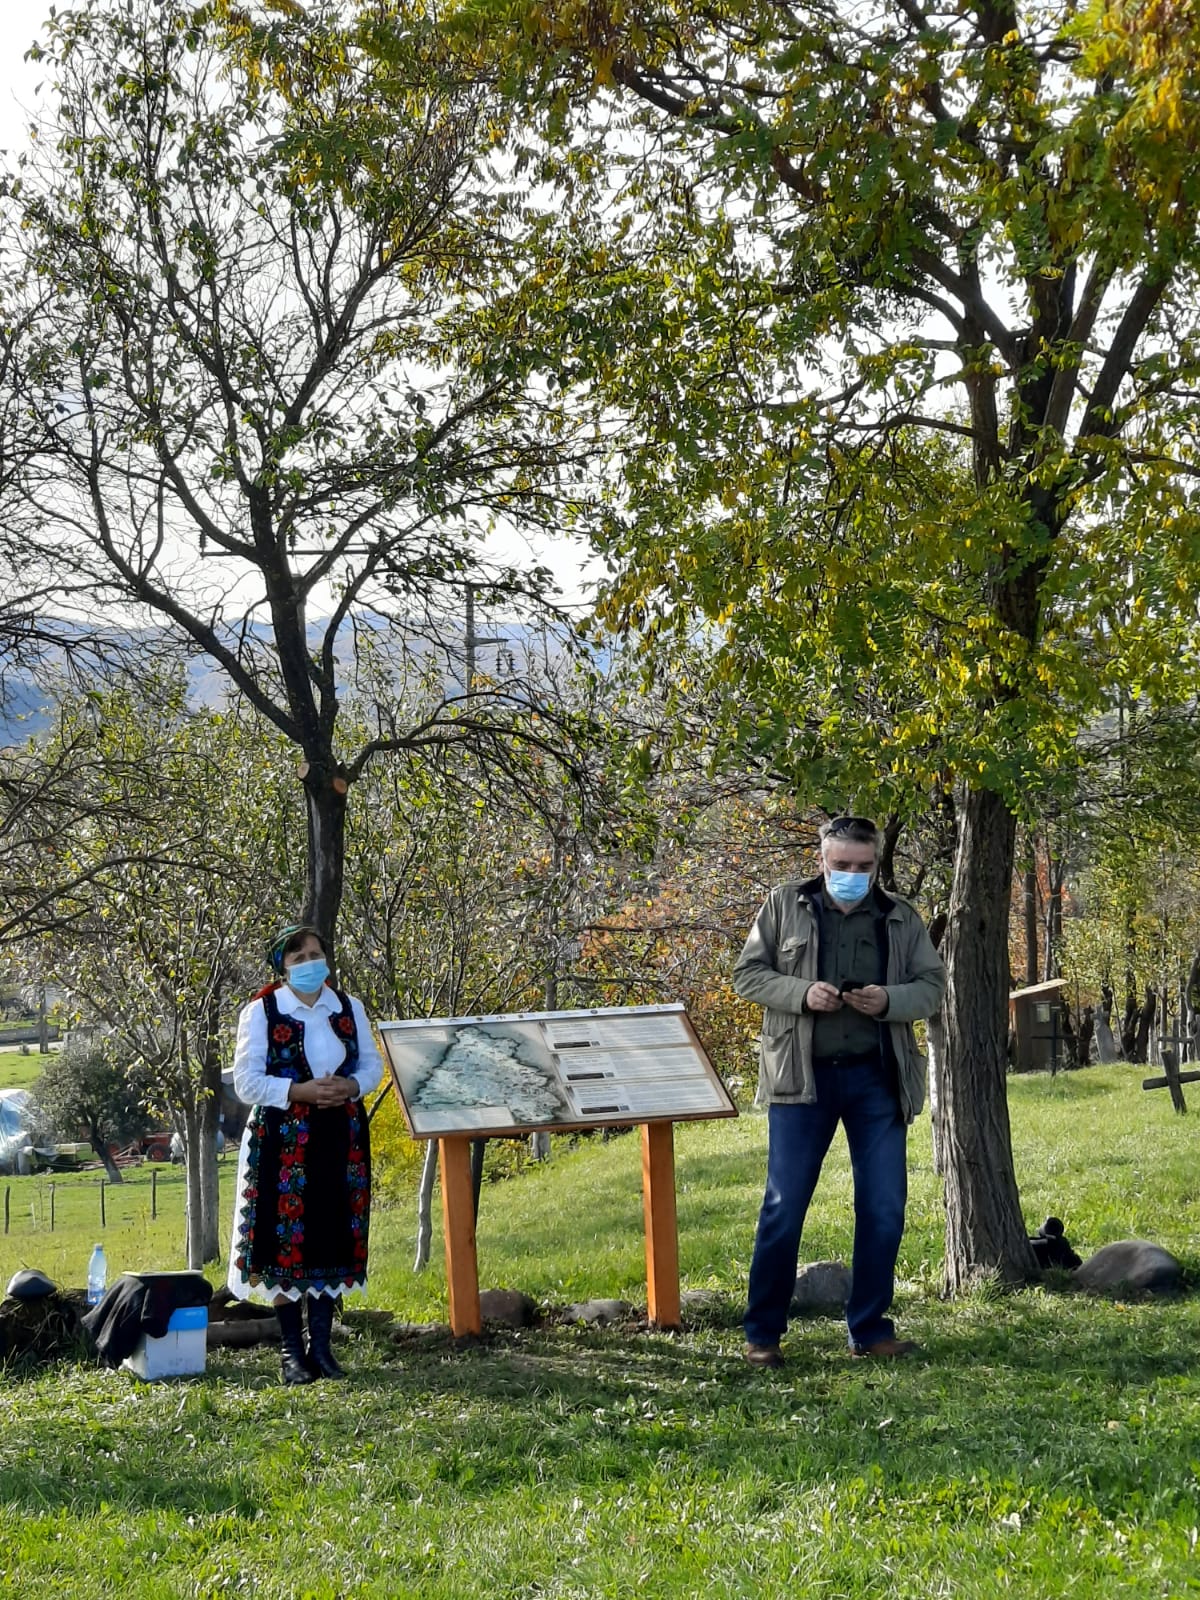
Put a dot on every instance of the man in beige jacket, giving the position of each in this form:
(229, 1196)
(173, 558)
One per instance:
(842, 970)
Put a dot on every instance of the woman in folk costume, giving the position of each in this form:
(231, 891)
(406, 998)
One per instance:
(305, 1058)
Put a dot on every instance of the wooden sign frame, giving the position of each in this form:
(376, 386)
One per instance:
(525, 1072)
(658, 1140)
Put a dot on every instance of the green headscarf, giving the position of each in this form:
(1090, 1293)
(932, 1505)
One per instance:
(284, 937)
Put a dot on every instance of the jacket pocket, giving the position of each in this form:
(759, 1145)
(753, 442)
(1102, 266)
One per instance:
(775, 1051)
(912, 1071)
(791, 952)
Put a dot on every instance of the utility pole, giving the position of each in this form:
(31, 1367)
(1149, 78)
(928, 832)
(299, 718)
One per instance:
(470, 642)
(471, 639)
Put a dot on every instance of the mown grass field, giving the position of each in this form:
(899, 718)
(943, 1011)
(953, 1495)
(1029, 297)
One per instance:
(1044, 1444)
(18, 1071)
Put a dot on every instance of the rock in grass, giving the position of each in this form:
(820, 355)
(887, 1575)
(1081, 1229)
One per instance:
(822, 1288)
(1131, 1264)
(699, 1306)
(509, 1306)
(408, 1332)
(596, 1313)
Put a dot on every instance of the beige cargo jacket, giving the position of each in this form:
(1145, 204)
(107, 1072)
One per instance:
(779, 961)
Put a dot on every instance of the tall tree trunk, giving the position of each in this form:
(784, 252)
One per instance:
(209, 1123)
(539, 1143)
(425, 1205)
(1055, 875)
(1029, 909)
(1129, 1024)
(935, 1043)
(325, 790)
(1129, 1019)
(210, 1203)
(985, 1232)
(1145, 1021)
(1087, 1027)
(1069, 1056)
(195, 1209)
(1192, 993)
(100, 1145)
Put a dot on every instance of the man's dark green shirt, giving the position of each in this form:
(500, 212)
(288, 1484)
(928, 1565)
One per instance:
(851, 946)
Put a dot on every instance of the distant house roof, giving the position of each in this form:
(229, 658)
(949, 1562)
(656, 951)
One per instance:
(1039, 991)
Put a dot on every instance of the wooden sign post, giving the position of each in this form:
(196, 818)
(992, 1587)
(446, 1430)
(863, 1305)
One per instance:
(662, 1230)
(458, 1221)
(658, 1205)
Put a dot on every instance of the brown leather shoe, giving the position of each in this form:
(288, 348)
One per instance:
(763, 1355)
(884, 1349)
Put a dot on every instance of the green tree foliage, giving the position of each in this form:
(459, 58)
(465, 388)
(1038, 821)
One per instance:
(1132, 931)
(173, 898)
(267, 379)
(921, 416)
(88, 1085)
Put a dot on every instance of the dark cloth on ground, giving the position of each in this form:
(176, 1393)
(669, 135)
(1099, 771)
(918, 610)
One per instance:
(139, 1306)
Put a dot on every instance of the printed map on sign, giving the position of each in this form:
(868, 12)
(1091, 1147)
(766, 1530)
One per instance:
(560, 1069)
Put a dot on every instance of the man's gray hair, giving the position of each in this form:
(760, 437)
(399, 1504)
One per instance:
(860, 830)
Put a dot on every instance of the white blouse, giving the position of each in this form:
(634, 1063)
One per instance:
(323, 1050)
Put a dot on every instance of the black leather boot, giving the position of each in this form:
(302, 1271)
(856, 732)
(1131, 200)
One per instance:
(320, 1326)
(293, 1366)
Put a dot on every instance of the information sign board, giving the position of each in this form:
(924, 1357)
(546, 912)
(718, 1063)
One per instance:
(512, 1074)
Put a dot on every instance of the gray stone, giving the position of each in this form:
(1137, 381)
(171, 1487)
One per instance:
(1107, 1047)
(407, 1332)
(822, 1287)
(1131, 1264)
(706, 1301)
(598, 1312)
(509, 1306)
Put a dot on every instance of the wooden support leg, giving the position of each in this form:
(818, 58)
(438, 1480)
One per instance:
(662, 1232)
(458, 1219)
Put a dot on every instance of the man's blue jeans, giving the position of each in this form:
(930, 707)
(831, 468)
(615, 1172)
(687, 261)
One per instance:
(864, 1098)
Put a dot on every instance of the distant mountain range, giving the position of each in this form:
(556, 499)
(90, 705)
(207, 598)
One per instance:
(503, 649)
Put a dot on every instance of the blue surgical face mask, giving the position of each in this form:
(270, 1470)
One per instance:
(307, 976)
(848, 887)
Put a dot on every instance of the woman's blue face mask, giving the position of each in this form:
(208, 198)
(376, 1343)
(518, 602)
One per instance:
(306, 977)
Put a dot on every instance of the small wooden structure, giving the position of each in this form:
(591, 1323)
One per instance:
(1035, 1023)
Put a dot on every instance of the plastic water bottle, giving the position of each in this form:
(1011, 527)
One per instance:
(97, 1274)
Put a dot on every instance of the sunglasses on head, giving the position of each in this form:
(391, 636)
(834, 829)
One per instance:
(847, 824)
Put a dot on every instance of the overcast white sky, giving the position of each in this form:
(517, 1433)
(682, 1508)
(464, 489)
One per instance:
(20, 24)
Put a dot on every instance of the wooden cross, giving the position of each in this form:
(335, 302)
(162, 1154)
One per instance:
(1172, 1080)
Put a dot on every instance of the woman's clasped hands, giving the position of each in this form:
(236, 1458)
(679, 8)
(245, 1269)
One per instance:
(323, 1092)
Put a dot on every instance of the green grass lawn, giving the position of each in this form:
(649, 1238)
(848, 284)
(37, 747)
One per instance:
(18, 1071)
(1045, 1443)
